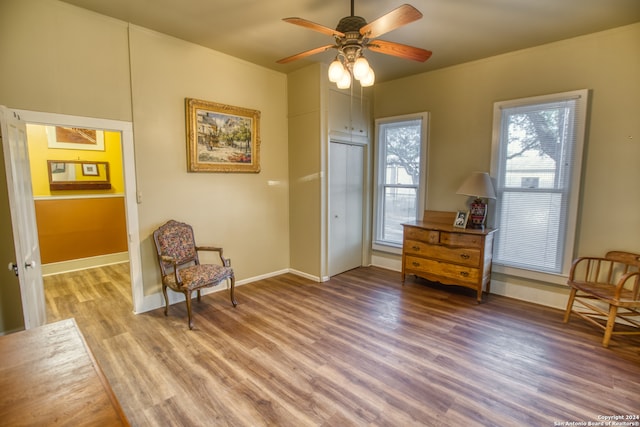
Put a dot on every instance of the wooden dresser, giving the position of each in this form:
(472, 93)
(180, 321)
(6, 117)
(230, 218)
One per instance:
(437, 251)
(48, 376)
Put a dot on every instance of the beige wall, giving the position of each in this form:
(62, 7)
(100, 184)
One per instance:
(61, 59)
(246, 213)
(305, 170)
(461, 99)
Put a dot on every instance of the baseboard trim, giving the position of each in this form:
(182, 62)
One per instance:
(155, 301)
(84, 263)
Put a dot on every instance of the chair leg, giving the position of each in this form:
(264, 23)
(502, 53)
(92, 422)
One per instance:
(199, 297)
(187, 296)
(166, 300)
(572, 297)
(232, 291)
(611, 321)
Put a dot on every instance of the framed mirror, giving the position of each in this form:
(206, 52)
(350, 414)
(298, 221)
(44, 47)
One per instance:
(78, 175)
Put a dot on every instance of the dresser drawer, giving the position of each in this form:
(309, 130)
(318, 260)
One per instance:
(460, 239)
(428, 236)
(464, 256)
(441, 271)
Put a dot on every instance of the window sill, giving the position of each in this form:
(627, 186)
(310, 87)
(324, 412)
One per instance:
(556, 279)
(389, 248)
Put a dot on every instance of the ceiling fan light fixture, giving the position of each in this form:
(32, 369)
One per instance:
(345, 81)
(361, 68)
(336, 71)
(353, 36)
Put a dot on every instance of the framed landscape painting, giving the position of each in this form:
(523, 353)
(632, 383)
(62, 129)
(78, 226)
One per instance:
(222, 138)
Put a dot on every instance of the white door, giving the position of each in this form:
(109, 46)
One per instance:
(23, 218)
(346, 183)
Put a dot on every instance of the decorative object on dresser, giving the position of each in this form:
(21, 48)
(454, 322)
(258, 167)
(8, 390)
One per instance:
(437, 251)
(604, 289)
(479, 186)
(180, 264)
(461, 219)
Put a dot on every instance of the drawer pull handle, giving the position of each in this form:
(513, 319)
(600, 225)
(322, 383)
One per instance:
(415, 264)
(464, 256)
(415, 248)
(464, 274)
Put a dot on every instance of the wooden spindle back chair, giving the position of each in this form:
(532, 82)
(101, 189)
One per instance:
(605, 290)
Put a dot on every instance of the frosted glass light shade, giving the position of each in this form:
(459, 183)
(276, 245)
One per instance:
(345, 81)
(369, 79)
(336, 70)
(360, 68)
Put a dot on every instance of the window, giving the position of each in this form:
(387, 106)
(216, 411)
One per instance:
(401, 163)
(537, 156)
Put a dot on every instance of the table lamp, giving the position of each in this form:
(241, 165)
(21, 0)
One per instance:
(479, 186)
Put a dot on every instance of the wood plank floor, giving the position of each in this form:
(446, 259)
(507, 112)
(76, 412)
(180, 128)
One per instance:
(360, 349)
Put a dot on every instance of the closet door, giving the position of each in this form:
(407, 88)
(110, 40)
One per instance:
(346, 184)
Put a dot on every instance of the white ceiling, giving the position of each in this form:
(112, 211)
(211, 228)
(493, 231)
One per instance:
(457, 31)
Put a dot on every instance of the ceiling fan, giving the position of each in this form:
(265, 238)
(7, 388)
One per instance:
(353, 36)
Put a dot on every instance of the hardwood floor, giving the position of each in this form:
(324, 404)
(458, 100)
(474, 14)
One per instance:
(360, 349)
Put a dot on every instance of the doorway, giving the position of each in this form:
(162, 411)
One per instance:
(131, 209)
(78, 191)
(346, 206)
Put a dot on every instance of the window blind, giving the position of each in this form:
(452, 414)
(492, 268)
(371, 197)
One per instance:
(540, 148)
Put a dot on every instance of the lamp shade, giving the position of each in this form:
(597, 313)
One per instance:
(478, 185)
(336, 70)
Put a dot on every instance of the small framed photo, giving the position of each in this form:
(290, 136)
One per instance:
(461, 219)
(89, 169)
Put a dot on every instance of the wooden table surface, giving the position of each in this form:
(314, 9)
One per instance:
(48, 376)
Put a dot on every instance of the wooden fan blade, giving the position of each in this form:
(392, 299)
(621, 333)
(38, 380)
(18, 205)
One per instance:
(398, 17)
(304, 54)
(399, 50)
(313, 26)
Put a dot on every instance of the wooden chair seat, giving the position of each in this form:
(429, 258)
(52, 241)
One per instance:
(607, 293)
(604, 290)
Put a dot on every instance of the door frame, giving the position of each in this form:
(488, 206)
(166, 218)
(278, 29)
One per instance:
(130, 185)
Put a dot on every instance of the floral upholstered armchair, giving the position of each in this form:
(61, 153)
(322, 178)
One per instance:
(180, 266)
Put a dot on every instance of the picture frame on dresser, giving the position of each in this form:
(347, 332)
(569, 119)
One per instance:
(462, 217)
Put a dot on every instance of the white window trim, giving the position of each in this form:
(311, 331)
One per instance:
(422, 186)
(576, 174)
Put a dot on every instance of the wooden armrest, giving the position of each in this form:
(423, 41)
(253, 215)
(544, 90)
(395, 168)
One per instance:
(630, 281)
(167, 258)
(172, 260)
(226, 262)
(578, 263)
(208, 248)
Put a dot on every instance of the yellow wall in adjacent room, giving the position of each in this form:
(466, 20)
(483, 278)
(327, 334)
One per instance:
(39, 153)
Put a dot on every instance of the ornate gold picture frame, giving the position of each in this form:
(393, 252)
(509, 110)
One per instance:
(222, 138)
